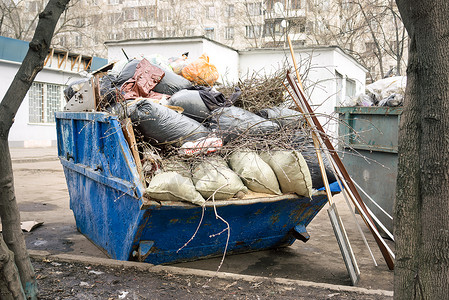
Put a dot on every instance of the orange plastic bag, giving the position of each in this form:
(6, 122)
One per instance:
(201, 71)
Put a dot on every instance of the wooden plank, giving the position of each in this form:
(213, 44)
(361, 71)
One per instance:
(63, 59)
(128, 132)
(49, 56)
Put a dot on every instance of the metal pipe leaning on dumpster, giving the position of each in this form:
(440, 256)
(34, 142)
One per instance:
(337, 224)
(344, 177)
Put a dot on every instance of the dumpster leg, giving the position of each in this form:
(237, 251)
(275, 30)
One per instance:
(300, 233)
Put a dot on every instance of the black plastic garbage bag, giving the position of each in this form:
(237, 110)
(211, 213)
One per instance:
(304, 144)
(171, 83)
(229, 122)
(191, 102)
(108, 90)
(282, 116)
(160, 124)
(214, 99)
(127, 72)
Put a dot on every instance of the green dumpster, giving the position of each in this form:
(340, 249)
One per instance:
(368, 141)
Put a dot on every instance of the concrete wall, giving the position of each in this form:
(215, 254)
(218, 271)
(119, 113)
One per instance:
(23, 133)
(225, 59)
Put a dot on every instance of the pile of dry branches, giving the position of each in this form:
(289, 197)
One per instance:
(259, 91)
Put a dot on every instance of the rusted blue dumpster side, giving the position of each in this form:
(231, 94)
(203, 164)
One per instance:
(102, 180)
(106, 196)
(254, 224)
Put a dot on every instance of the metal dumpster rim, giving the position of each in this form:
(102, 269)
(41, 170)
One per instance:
(151, 203)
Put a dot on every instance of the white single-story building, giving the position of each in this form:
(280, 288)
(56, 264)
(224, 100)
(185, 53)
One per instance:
(34, 124)
(330, 75)
(225, 58)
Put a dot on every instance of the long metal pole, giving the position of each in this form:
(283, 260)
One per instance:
(344, 176)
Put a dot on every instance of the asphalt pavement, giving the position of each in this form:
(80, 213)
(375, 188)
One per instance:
(42, 195)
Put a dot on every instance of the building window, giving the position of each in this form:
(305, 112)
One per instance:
(253, 31)
(370, 46)
(94, 20)
(254, 9)
(130, 14)
(147, 13)
(230, 11)
(191, 13)
(210, 12)
(115, 18)
(209, 33)
(44, 100)
(78, 40)
(79, 22)
(229, 33)
(62, 41)
(130, 34)
(169, 33)
(190, 32)
(295, 4)
(146, 33)
(115, 36)
(296, 26)
(269, 4)
(350, 88)
(273, 28)
(165, 15)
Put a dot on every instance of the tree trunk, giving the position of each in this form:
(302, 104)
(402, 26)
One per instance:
(422, 206)
(10, 286)
(9, 212)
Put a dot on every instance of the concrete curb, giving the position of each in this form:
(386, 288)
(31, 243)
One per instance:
(203, 273)
(33, 160)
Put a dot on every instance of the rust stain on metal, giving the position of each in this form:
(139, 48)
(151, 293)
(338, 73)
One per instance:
(258, 212)
(142, 226)
(192, 219)
(172, 221)
(274, 218)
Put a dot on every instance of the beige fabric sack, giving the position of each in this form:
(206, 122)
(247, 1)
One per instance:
(214, 175)
(255, 173)
(291, 171)
(173, 186)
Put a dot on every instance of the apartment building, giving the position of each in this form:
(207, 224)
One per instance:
(365, 29)
(239, 24)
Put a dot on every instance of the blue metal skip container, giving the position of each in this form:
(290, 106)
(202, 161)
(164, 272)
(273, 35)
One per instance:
(107, 200)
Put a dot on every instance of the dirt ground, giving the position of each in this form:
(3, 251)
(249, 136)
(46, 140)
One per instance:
(42, 195)
(62, 280)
